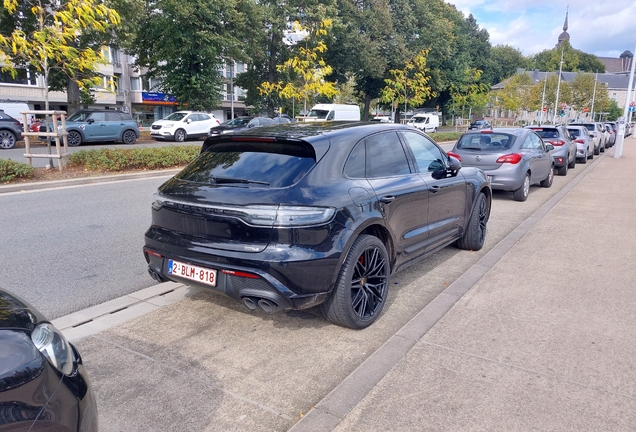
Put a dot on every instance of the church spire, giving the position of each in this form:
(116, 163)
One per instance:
(564, 36)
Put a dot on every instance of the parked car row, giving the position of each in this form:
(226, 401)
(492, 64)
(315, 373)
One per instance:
(516, 158)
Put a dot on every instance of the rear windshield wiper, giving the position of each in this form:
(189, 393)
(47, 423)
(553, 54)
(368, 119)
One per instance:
(242, 181)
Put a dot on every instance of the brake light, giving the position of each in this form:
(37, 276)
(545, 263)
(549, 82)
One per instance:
(580, 141)
(557, 143)
(240, 274)
(255, 139)
(486, 131)
(455, 155)
(513, 158)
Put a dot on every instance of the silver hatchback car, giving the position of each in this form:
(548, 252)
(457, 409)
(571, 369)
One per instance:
(583, 141)
(512, 158)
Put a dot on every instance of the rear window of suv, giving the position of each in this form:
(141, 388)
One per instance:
(547, 132)
(270, 164)
(493, 141)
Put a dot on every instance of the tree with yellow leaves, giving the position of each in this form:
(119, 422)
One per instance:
(409, 85)
(307, 70)
(46, 35)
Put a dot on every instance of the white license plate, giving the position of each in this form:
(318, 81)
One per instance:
(194, 273)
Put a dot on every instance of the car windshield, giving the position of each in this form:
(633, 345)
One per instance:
(239, 121)
(575, 132)
(485, 142)
(590, 127)
(319, 114)
(79, 116)
(176, 116)
(419, 119)
(479, 122)
(547, 133)
(260, 163)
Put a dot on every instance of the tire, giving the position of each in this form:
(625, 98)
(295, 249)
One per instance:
(180, 135)
(129, 137)
(590, 155)
(547, 182)
(602, 149)
(364, 276)
(563, 170)
(573, 163)
(475, 234)
(74, 139)
(583, 160)
(7, 139)
(597, 150)
(522, 193)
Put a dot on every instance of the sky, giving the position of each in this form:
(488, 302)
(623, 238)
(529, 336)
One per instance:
(603, 28)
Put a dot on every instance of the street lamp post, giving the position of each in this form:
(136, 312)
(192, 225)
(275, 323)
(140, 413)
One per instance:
(621, 127)
(556, 102)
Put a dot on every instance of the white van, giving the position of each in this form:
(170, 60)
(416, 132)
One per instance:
(322, 112)
(427, 122)
(14, 108)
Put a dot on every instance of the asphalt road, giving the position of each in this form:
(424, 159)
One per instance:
(68, 248)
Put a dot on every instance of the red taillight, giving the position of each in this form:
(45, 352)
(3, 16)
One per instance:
(486, 131)
(153, 253)
(580, 141)
(557, 143)
(240, 274)
(513, 158)
(455, 155)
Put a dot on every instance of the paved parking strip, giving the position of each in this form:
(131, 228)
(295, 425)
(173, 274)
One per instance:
(204, 362)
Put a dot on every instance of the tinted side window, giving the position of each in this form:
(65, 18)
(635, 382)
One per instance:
(354, 168)
(204, 117)
(385, 156)
(425, 152)
(114, 117)
(98, 116)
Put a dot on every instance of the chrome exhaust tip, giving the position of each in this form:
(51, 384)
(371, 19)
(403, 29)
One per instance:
(267, 306)
(250, 303)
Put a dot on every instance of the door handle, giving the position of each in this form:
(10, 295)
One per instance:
(387, 199)
(433, 189)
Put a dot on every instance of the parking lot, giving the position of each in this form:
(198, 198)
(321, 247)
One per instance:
(200, 361)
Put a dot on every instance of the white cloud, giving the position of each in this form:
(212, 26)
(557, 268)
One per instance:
(534, 25)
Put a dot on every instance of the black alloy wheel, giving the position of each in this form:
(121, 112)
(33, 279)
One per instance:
(362, 285)
(74, 139)
(129, 137)
(475, 234)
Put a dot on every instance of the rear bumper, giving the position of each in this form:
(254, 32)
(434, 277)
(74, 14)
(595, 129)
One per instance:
(293, 278)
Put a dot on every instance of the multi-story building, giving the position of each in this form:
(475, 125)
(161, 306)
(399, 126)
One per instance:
(123, 88)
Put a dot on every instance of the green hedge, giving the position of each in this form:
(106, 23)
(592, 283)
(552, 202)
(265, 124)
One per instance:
(10, 169)
(445, 136)
(139, 158)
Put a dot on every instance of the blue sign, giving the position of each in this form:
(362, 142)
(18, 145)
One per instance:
(158, 98)
(632, 108)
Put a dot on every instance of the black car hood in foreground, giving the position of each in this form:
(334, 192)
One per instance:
(16, 313)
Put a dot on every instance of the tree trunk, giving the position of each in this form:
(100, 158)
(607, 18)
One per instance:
(73, 96)
(367, 105)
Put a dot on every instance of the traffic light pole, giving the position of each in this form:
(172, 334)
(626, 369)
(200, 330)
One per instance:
(621, 125)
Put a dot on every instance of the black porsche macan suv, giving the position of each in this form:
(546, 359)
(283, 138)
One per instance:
(298, 215)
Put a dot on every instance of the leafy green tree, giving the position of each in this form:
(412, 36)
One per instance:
(47, 37)
(503, 63)
(269, 43)
(469, 93)
(614, 112)
(186, 44)
(573, 60)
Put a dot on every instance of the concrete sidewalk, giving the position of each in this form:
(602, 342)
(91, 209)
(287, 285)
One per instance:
(544, 341)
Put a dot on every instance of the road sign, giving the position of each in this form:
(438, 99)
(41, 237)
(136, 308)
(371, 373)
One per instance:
(632, 103)
(586, 109)
(564, 105)
(632, 108)
(545, 109)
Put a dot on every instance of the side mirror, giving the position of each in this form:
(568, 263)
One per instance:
(188, 121)
(549, 147)
(90, 121)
